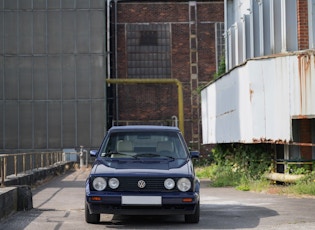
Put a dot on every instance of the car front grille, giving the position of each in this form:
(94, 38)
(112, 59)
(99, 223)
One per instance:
(152, 184)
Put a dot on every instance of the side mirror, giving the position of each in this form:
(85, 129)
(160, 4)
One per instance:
(93, 153)
(194, 154)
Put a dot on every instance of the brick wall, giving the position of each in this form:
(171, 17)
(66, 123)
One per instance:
(140, 12)
(302, 17)
(158, 103)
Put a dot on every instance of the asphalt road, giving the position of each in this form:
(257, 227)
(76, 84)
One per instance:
(59, 204)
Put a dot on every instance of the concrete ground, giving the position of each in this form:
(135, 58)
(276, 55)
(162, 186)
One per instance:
(59, 204)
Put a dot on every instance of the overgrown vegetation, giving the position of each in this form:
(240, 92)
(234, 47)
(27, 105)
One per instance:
(236, 164)
(221, 69)
(306, 185)
(244, 166)
(299, 169)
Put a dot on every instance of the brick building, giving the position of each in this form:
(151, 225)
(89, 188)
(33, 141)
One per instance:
(180, 40)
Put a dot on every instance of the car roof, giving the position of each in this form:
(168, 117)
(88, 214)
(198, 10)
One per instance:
(143, 128)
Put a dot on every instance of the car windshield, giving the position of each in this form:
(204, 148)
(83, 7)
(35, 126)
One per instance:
(137, 145)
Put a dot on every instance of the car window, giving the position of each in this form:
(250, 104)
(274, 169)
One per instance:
(145, 145)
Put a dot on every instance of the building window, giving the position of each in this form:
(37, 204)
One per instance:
(219, 38)
(303, 131)
(149, 50)
(148, 38)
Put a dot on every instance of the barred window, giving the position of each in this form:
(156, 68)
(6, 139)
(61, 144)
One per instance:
(148, 38)
(149, 51)
(219, 38)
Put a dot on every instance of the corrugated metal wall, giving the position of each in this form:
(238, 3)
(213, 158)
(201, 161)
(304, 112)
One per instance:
(52, 74)
(257, 101)
(258, 28)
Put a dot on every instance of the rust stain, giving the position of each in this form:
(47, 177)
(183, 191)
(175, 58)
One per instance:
(301, 117)
(280, 142)
(304, 61)
(265, 140)
(251, 92)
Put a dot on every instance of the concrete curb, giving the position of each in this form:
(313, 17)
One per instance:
(17, 195)
(8, 201)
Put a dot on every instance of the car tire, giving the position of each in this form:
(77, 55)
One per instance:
(193, 218)
(91, 218)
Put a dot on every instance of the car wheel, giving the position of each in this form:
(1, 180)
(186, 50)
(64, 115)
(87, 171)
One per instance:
(193, 218)
(91, 218)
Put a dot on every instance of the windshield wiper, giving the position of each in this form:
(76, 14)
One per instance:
(120, 153)
(172, 158)
(148, 155)
(153, 155)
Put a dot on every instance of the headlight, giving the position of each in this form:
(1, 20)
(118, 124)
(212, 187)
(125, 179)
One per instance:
(183, 184)
(99, 183)
(169, 183)
(113, 183)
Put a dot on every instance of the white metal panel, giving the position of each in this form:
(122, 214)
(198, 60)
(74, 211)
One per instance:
(245, 118)
(304, 86)
(275, 74)
(227, 115)
(272, 28)
(256, 101)
(294, 95)
(221, 114)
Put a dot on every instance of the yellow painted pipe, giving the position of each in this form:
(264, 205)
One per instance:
(158, 81)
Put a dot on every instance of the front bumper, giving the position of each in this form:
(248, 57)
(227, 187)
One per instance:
(171, 204)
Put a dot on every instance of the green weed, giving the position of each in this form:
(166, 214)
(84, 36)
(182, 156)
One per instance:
(244, 167)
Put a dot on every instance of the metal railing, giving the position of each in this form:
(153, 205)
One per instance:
(287, 163)
(14, 164)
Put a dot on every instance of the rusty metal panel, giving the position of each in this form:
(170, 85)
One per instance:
(257, 101)
(304, 93)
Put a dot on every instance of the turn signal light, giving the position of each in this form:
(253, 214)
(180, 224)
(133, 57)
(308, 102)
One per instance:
(187, 200)
(96, 198)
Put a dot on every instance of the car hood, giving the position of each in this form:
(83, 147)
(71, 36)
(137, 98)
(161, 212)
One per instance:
(177, 166)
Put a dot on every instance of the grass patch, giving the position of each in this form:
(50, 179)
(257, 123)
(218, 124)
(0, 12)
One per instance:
(304, 186)
(220, 176)
(244, 166)
(205, 172)
(301, 189)
(225, 177)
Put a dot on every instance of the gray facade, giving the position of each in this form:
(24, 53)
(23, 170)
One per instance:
(52, 74)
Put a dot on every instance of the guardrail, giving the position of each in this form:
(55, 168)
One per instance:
(17, 163)
(301, 163)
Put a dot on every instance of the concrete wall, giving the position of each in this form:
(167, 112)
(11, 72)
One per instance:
(17, 195)
(8, 201)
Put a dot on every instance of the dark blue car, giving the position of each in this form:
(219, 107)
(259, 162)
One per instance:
(143, 170)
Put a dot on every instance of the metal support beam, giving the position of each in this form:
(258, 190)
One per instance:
(158, 81)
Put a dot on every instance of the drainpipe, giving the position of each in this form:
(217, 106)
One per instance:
(116, 63)
(108, 49)
(108, 37)
(159, 81)
(112, 45)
